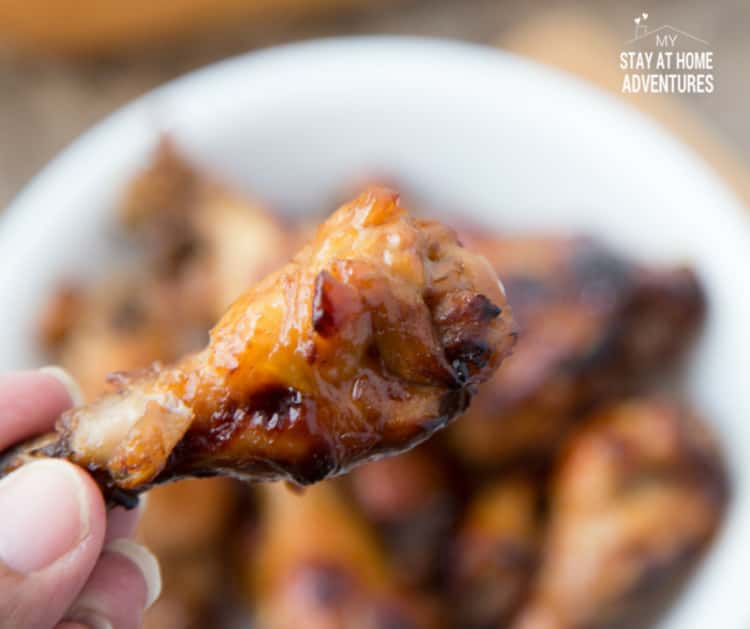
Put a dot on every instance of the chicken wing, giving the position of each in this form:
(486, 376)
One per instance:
(125, 324)
(638, 495)
(319, 567)
(193, 593)
(592, 324)
(371, 339)
(413, 501)
(208, 241)
(495, 553)
(187, 525)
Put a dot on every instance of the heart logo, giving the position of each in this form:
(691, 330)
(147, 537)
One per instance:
(637, 20)
(645, 16)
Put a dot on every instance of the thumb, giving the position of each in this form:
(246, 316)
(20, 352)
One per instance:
(52, 523)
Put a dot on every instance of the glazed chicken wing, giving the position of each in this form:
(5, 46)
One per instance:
(638, 495)
(208, 241)
(319, 567)
(495, 553)
(592, 324)
(413, 501)
(372, 338)
(124, 324)
(186, 525)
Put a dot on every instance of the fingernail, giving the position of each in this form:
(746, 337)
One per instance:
(45, 514)
(71, 386)
(145, 561)
(87, 620)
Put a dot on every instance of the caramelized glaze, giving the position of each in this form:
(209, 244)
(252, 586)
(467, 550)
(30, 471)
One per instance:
(372, 338)
(592, 324)
(638, 494)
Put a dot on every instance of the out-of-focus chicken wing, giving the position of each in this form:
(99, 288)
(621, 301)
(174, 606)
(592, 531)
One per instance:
(125, 324)
(193, 592)
(188, 516)
(370, 340)
(207, 240)
(200, 246)
(59, 316)
(412, 501)
(591, 324)
(319, 567)
(187, 524)
(638, 495)
(494, 554)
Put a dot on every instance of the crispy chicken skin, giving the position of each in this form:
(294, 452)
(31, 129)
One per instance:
(638, 495)
(318, 566)
(592, 324)
(495, 553)
(372, 338)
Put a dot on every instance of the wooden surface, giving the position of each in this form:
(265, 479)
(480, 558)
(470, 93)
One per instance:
(98, 27)
(46, 102)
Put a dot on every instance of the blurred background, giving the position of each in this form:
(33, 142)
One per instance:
(574, 494)
(65, 64)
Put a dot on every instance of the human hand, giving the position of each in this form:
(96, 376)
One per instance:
(64, 561)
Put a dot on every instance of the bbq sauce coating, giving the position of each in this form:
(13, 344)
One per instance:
(638, 494)
(319, 566)
(372, 338)
(592, 325)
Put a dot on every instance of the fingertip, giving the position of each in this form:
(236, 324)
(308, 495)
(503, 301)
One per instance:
(67, 381)
(95, 508)
(67, 624)
(87, 620)
(94, 511)
(50, 508)
(30, 403)
(53, 521)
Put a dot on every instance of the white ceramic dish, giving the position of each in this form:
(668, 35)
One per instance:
(471, 130)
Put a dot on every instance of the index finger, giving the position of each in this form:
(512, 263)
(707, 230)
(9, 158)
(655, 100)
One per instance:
(31, 402)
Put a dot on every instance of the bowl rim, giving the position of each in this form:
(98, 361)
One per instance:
(409, 43)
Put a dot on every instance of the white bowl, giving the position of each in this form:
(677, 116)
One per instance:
(471, 130)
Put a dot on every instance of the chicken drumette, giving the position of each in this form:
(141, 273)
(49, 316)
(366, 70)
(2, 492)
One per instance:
(638, 495)
(495, 553)
(319, 566)
(372, 338)
(412, 501)
(592, 325)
